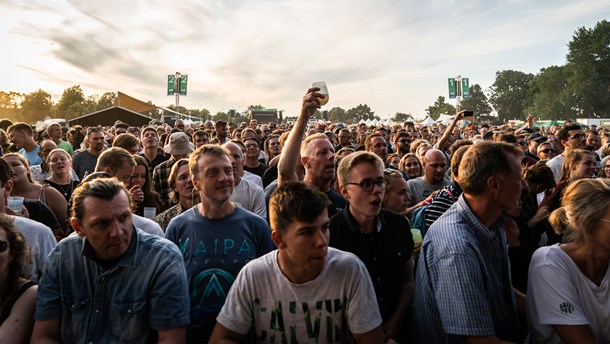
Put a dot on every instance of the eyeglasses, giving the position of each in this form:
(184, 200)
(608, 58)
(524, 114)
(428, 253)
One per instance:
(577, 137)
(3, 245)
(546, 151)
(403, 141)
(368, 184)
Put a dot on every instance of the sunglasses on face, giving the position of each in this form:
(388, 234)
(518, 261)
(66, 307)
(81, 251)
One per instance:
(548, 150)
(522, 143)
(403, 141)
(576, 137)
(3, 246)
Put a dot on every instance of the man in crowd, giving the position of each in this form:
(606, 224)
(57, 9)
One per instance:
(216, 238)
(376, 144)
(55, 134)
(84, 161)
(463, 291)
(344, 138)
(222, 132)
(247, 194)
(153, 155)
(304, 272)
(252, 163)
(533, 141)
(571, 137)
(179, 147)
(434, 178)
(380, 238)
(402, 143)
(317, 155)
(112, 282)
(21, 136)
(200, 138)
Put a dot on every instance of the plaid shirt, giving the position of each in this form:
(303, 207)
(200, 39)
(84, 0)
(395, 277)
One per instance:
(160, 181)
(165, 217)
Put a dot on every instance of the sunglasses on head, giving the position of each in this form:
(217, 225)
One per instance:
(577, 136)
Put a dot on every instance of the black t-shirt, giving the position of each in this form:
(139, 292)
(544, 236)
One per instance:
(383, 252)
(259, 171)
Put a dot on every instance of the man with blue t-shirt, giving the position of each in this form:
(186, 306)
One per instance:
(216, 238)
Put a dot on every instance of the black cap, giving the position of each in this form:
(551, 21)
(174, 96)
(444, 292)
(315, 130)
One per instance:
(536, 137)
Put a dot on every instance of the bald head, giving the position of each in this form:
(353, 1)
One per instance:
(435, 166)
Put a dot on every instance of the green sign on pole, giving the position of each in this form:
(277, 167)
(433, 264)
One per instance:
(465, 88)
(183, 82)
(171, 85)
(452, 88)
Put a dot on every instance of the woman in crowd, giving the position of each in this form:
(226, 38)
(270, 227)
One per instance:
(61, 178)
(393, 160)
(411, 165)
(182, 192)
(569, 284)
(604, 170)
(17, 293)
(25, 186)
(396, 196)
(141, 178)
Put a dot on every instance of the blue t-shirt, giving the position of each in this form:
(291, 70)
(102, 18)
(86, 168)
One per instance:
(214, 252)
(31, 156)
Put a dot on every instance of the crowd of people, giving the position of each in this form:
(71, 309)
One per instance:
(305, 232)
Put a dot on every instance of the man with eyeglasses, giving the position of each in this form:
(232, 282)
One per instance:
(570, 137)
(545, 151)
(379, 237)
(252, 163)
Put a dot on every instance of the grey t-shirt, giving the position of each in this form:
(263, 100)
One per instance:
(419, 190)
(41, 240)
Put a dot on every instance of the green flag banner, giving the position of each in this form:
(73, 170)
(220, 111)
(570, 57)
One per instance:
(452, 88)
(183, 82)
(171, 85)
(465, 88)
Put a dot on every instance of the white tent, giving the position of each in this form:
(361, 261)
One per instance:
(427, 121)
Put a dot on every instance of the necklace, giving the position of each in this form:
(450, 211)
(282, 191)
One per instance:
(67, 191)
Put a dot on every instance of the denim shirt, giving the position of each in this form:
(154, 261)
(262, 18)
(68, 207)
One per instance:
(147, 289)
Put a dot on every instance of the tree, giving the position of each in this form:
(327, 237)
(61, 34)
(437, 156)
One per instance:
(9, 105)
(589, 63)
(477, 102)
(107, 100)
(360, 112)
(220, 116)
(440, 108)
(36, 106)
(72, 103)
(337, 114)
(256, 107)
(510, 94)
(549, 94)
(402, 117)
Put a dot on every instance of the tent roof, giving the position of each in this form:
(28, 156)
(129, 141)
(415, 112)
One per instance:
(108, 116)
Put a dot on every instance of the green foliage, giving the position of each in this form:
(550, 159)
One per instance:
(337, 114)
(589, 64)
(36, 106)
(72, 103)
(360, 112)
(402, 117)
(477, 102)
(440, 108)
(510, 94)
(107, 100)
(256, 107)
(9, 105)
(221, 116)
(550, 99)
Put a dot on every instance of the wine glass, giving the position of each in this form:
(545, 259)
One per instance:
(323, 91)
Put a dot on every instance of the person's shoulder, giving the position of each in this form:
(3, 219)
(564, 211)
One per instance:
(417, 180)
(147, 225)
(342, 261)
(246, 215)
(29, 225)
(156, 244)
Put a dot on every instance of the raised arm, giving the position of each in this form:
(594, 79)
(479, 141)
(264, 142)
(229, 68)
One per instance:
(449, 130)
(292, 149)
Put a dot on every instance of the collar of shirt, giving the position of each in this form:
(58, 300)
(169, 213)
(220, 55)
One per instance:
(484, 233)
(127, 260)
(353, 224)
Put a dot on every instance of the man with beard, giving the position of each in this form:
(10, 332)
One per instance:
(84, 161)
(216, 238)
(434, 178)
(376, 144)
(402, 143)
(379, 237)
(222, 132)
(317, 155)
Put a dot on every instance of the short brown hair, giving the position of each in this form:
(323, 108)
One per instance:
(211, 149)
(102, 188)
(352, 160)
(295, 201)
(114, 158)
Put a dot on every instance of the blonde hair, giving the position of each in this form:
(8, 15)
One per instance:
(584, 203)
(573, 157)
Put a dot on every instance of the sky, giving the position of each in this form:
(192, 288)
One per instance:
(394, 56)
